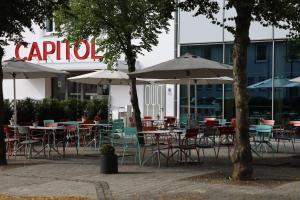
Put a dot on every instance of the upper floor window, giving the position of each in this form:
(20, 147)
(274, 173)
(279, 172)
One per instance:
(49, 25)
(207, 53)
(261, 53)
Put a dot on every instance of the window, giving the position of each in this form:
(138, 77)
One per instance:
(230, 55)
(208, 87)
(219, 87)
(261, 53)
(207, 53)
(49, 25)
(251, 80)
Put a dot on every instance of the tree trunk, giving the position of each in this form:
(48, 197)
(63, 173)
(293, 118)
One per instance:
(241, 157)
(2, 134)
(133, 95)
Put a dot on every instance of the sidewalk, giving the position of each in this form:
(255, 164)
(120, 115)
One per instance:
(80, 177)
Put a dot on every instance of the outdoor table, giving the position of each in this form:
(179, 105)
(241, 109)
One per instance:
(106, 126)
(157, 152)
(77, 123)
(48, 130)
(157, 133)
(153, 120)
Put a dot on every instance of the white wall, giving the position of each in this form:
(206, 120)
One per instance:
(35, 88)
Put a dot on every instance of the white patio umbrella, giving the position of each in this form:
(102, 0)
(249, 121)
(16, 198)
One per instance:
(19, 69)
(186, 66)
(105, 77)
(197, 81)
(297, 80)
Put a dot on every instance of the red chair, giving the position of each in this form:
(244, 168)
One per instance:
(267, 122)
(226, 138)
(209, 119)
(233, 123)
(190, 142)
(170, 121)
(147, 117)
(211, 123)
(9, 140)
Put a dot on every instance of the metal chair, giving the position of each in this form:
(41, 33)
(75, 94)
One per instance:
(262, 137)
(130, 140)
(25, 141)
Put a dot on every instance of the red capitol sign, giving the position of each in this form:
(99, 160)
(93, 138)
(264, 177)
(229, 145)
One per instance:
(51, 48)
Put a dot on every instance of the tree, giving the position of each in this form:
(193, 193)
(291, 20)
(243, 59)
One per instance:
(278, 13)
(15, 17)
(119, 27)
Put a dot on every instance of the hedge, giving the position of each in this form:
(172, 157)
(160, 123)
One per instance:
(29, 110)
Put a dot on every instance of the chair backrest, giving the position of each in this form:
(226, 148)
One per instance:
(205, 119)
(117, 126)
(222, 122)
(48, 121)
(233, 122)
(132, 131)
(294, 123)
(267, 122)
(51, 124)
(149, 128)
(71, 127)
(191, 133)
(265, 130)
(211, 123)
(23, 130)
(147, 117)
(226, 130)
(183, 119)
(170, 120)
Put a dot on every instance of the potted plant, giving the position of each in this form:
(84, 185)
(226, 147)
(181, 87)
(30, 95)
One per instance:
(108, 160)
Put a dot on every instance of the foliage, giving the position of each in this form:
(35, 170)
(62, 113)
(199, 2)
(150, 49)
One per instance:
(293, 50)
(8, 111)
(30, 110)
(107, 149)
(17, 15)
(115, 24)
(119, 28)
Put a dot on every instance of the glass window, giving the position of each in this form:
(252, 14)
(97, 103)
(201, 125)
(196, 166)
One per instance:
(251, 80)
(207, 53)
(261, 53)
(209, 87)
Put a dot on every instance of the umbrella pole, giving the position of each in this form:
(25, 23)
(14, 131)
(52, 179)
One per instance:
(189, 102)
(196, 106)
(15, 100)
(223, 101)
(15, 114)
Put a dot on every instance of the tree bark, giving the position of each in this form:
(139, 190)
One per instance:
(3, 160)
(133, 95)
(241, 157)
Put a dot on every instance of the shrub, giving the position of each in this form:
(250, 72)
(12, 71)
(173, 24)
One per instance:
(71, 109)
(107, 149)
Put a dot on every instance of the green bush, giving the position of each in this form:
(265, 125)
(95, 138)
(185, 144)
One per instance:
(107, 149)
(30, 110)
(8, 111)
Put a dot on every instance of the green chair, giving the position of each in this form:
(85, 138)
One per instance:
(47, 121)
(222, 122)
(183, 120)
(130, 140)
(263, 136)
(117, 130)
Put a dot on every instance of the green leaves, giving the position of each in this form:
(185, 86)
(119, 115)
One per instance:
(17, 15)
(120, 26)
